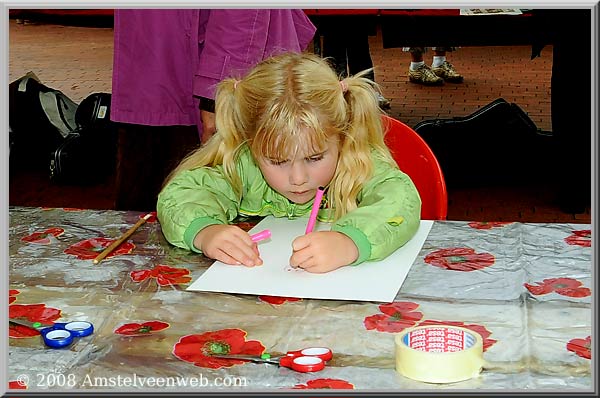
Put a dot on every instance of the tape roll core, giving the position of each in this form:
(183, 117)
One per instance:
(439, 354)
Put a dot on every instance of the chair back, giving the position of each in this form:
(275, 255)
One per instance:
(415, 158)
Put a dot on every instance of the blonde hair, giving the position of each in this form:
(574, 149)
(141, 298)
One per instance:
(288, 101)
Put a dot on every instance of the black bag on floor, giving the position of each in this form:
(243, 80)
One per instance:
(88, 154)
(94, 111)
(39, 119)
(497, 143)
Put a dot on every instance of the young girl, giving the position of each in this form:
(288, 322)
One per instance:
(285, 129)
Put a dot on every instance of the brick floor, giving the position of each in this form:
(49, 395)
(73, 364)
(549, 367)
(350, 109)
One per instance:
(490, 73)
(78, 61)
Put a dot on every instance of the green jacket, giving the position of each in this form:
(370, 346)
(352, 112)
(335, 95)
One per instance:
(387, 216)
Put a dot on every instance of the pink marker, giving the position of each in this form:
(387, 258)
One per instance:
(262, 235)
(315, 210)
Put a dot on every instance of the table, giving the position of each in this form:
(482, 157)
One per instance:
(524, 287)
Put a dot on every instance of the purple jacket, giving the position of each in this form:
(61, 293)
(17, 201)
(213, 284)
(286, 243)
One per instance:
(164, 58)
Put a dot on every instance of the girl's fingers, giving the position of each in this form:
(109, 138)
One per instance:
(307, 265)
(225, 258)
(242, 253)
(244, 237)
(301, 259)
(232, 245)
(312, 265)
(300, 243)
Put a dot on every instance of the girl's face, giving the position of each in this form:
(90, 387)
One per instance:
(298, 179)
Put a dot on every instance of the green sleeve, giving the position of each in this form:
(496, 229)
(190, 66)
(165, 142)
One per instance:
(388, 214)
(193, 200)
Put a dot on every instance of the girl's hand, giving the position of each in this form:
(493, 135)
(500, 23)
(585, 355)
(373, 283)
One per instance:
(323, 251)
(229, 244)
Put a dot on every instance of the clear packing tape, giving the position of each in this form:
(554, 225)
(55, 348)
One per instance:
(439, 354)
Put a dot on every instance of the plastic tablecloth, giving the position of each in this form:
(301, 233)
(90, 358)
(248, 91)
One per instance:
(525, 288)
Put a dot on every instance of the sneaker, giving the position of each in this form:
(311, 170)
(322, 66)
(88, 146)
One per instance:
(384, 103)
(447, 72)
(424, 75)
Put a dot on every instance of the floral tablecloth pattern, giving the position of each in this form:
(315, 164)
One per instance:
(526, 288)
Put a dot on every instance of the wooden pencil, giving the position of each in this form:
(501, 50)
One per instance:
(126, 235)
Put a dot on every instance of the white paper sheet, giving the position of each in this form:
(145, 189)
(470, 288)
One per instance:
(369, 281)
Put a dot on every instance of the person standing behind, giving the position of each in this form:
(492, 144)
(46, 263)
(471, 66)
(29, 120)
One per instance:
(165, 61)
(346, 43)
(351, 54)
(284, 130)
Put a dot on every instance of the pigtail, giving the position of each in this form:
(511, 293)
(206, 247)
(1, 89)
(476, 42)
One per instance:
(363, 133)
(230, 126)
(224, 145)
(365, 116)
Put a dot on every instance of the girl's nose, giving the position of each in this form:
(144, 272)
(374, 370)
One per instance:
(298, 174)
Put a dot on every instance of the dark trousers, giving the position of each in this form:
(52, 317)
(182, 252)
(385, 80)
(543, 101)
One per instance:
(145, 157)
(346, 42)
(349, 52)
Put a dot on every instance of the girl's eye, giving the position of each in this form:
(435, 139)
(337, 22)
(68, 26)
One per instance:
(315, 158)
(277, 162)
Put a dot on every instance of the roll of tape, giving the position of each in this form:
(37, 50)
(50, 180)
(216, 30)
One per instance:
(439, 354)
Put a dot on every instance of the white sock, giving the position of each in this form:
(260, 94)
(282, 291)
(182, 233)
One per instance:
(438, 60)
(415, 65)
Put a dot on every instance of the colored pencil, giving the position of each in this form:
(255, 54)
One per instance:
(262, 235)
(315, 210)
(126, 235)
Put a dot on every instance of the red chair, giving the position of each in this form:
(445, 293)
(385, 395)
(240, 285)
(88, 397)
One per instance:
(415, 158)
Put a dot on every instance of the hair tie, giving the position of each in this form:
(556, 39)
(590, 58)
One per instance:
(344, 85)
(235, 83)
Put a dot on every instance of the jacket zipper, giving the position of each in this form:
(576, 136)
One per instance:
(291, 209)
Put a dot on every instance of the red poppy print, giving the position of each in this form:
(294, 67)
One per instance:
(334, 384)
(44, 237)
(17, 385)
(141, 329)
(581, 347)
(11, 295)
(152, 218)
(488, 224)
(563, 286)
(395, 317)
(200, 348)
(90, 248)
(580, 238)
(32, 313)
(481, 330)
(459, 259)
(163, 274)
(277, 300)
